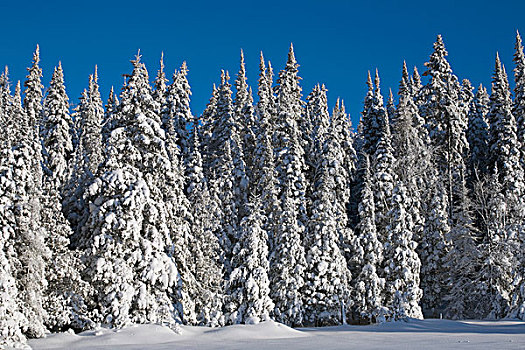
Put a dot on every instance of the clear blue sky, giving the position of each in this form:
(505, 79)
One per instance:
(336, 42)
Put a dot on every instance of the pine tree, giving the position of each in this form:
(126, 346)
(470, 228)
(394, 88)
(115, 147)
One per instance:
(177, 116)
(289, 153)
(433, 246)
(12, 320)
(88, 154)
(244, 115)
(248, 289)
(264, 176)
(368, 254)
(56, 131)
(327, 276)
(160, 87)
(206, 132)
(382, 164)
(478, 135)
(446, 123)
(287, 266)
(504, 144)
(402, 292)
(129, 250)
(33, 92)
(205, 249)
(109, 116)
(228, 168)
(518, 108)
(487, 266)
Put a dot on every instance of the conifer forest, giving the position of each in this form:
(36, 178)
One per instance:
(268, 205)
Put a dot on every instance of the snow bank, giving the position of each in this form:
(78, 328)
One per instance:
(415, 334)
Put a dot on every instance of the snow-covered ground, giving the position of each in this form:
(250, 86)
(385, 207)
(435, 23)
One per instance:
(415, 334)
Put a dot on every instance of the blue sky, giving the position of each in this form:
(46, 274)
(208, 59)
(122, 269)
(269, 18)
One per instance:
(336, 42)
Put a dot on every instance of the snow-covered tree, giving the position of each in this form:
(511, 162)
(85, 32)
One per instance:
(109, 116)
(433, 246)
(177, 116)
(205, 249)
(288, 150)
(478, 135)
(382, 164)
(12, 318)
(128, 248)
(518, 108)
(33, 92)
(248, 289)
(446, 122)
(56, 131)
(244, 115)
(228, 170)
(287, 266)
(264, 177)
(88, 154)
(327, 277)
(368, 255)
(504, 144)
(402, 265)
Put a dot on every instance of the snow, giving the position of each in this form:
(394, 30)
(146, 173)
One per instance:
(415, 334)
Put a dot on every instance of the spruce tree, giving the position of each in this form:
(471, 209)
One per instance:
(228, 168)
(287, 266)
(327, 276)
(402, 293)
(248, 289)
(205, 249)
(504, 144)
(518, 108)
(244, 115)
(129, 250)
(446, 123)
(264, 176)
(109, 116)
(288, 150)
(368, 253)
(177, 117)
(56, 131)
(478, 135)
(88, 154)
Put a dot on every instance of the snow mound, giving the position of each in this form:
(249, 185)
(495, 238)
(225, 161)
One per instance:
(263, 330)
(133, 337)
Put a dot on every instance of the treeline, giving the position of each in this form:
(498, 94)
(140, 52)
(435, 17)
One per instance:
(141, 212)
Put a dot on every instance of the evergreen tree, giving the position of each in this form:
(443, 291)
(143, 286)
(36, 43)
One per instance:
(13, 319)
(56, 131)
(433, 246)
(446, 123)
(128, 248)
(248, 289)
(402, 292)
(244, 115)
(327, 277)
(518, 108)
(478, 135)
(178, 117)
(205, 249)
(367, 285)
(287, 266)
(33, 92)
(88, 154)
(289, 153)
(504, 144)
(109, 116)
(383, 164)
(228, 168)
(264, 177)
